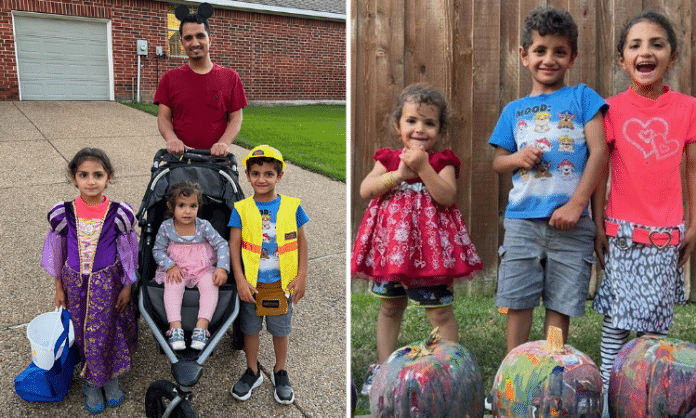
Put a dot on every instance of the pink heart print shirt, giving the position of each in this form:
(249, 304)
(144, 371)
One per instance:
(647, 139)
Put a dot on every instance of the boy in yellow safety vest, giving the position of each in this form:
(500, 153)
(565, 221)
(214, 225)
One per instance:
(268, 251)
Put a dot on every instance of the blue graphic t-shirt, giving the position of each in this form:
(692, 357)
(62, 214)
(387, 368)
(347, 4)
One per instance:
(269, 267)
(555, 123)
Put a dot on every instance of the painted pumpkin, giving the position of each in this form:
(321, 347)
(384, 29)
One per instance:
(432, 378)
(547, 379)
(654, 377)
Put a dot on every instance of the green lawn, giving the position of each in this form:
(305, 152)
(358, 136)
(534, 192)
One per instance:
(481, 331)
(312, 137)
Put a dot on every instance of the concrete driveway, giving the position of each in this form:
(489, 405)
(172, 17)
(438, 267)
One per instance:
(36, 141)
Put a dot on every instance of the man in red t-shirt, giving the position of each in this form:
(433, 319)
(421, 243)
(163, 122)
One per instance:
(200, 103)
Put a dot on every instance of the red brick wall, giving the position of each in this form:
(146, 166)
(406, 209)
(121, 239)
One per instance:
(277, 57)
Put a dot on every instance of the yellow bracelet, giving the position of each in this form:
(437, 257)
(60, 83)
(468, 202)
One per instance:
(388, 180)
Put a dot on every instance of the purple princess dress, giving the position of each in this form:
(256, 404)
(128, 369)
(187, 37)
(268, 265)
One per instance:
(95, 255)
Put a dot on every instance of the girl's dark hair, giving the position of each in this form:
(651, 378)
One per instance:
(90, 154)
(422, 94)
(652, 17)
(550, 21)
(183, 188)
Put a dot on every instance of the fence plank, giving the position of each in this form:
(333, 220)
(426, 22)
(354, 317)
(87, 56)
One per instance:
(681, 15)
(584, 69)
(364, 126)
(511, 71)
(460, 120)
(484, 202)
(389, 66)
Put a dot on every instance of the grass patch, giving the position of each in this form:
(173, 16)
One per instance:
(312, 137)
(481, 331)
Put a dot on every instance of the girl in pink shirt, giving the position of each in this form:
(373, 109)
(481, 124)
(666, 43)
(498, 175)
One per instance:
(642, 240)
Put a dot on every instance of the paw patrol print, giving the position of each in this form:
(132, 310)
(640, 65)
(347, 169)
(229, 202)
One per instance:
(566, 168)
(521, 128)
(266, 221)
(566, 144)
(542, 122)
(524, 174)
(542, 169)
(543, 144)
(566, 120)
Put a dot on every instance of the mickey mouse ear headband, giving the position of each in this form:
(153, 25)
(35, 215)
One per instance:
(205, 10)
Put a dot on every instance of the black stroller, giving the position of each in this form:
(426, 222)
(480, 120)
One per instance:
(219, 180)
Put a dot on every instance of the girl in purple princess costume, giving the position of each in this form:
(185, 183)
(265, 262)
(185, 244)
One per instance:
(92, 250)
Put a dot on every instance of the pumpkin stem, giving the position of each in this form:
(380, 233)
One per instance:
(434, 337)
(425, 348)
(554, 339)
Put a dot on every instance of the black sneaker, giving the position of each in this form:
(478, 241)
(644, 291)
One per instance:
(242, 389)
(283, 391)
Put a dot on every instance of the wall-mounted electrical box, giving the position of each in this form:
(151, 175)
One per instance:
(141, 47)
(158, 51)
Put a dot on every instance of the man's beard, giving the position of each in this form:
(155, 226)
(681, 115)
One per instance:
(195, 55)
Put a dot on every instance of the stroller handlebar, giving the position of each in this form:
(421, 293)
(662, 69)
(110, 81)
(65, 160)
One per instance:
(197, 151)
(190, 154)
(189, 151)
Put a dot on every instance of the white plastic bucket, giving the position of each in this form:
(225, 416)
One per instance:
(43, 332)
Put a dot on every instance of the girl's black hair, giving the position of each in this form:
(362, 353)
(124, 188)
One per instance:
(652, 17)
(90, 154)
(422, 94)
(182, 188)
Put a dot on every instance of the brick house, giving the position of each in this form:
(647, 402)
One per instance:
(88, 50)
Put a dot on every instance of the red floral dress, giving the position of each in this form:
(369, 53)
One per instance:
(407, 237)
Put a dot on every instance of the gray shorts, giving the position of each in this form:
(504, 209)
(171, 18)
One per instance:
(278, 325)
(539, 261)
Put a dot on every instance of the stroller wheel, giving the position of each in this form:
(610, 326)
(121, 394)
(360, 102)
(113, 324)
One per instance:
(158, 397)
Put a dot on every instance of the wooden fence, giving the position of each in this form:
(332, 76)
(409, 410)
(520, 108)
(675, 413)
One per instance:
(469, 50)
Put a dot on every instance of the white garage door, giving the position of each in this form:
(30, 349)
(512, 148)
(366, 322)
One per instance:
(62, 58)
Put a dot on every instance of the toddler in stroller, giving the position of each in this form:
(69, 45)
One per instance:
(218, 180)
(189, 252)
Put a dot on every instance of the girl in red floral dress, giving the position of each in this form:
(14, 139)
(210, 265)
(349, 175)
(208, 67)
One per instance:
(412, 242)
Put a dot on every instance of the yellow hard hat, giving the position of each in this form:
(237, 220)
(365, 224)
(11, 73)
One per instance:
(264, 151)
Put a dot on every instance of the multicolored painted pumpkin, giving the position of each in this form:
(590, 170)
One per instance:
(654, 377)
(547, 379)
(432, 378)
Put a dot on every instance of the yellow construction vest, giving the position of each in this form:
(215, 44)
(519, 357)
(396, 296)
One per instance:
(286, 238)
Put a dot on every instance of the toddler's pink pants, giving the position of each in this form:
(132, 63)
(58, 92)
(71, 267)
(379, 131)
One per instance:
(174, 293)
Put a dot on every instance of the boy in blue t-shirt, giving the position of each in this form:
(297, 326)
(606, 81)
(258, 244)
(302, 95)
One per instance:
(552, 141)
(268, 252)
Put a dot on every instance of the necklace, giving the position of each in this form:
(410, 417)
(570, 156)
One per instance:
(101, 200)
(89, 231)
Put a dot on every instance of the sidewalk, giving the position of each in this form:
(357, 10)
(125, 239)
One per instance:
(36, 141)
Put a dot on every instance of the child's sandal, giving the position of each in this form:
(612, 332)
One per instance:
(94, 398)
(114, 393)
